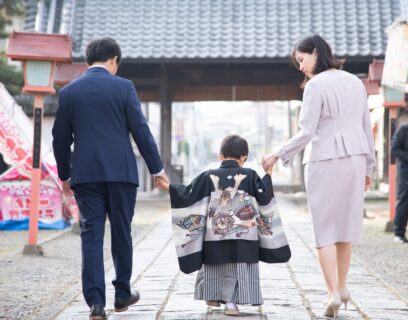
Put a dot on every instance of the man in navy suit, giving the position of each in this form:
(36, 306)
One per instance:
(97, 113)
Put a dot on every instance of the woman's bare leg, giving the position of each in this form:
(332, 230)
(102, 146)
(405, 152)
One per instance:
(343, 262)
(328, 261)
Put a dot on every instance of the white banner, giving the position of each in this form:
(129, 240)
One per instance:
(395, 72)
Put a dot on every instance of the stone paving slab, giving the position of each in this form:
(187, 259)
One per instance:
(292, 291)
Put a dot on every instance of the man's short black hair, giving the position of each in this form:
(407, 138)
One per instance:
(101, 50)
(234, 147)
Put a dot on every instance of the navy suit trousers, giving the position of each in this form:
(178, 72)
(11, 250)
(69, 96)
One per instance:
(96, 201)
(401, 211)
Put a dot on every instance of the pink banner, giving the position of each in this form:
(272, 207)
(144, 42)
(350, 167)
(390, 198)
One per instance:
(15, 202)
(12, 147)
(16, 134)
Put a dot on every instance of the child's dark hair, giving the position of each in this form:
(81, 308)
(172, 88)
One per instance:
(101, 50)
(234, 147)
(325, 58)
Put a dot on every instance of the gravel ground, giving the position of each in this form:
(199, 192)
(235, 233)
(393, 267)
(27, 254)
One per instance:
(32, 286)
(378, 251)
(31, 283)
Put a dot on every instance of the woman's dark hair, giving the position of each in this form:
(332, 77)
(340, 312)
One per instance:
(102, 50)
(325, 59)
(234, 147)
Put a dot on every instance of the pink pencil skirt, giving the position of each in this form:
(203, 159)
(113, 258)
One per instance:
(335, 194)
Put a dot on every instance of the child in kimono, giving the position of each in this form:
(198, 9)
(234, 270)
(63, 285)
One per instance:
(224, 223)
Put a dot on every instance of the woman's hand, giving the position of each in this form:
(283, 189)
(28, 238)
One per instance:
(268, 162)
(367, 183)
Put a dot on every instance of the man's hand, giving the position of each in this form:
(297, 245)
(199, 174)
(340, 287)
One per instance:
(161, 183)
(367, 183)
(66, 188)
(164, 178)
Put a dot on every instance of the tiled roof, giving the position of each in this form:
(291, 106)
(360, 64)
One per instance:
(30, 14)
(213, 29)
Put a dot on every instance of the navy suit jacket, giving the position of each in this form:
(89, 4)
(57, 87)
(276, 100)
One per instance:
(98, 112)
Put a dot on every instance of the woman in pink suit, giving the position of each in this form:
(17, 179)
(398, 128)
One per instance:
(335, 131)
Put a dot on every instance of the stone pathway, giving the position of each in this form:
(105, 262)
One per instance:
(291, 291)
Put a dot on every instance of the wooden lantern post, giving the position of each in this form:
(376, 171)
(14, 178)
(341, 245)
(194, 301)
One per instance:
(39, 53)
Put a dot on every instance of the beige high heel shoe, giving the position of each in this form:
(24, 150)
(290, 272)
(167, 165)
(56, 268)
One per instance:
(344, 296)
(332, 306)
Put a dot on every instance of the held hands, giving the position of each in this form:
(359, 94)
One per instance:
(268, 162)
(162, 182)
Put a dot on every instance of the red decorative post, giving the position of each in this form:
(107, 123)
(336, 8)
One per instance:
(393, 99)
(39, 53)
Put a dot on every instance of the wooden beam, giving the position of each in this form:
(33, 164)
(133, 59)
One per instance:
(148, 75)
(237, 93)
(145, 82)
(149, 95)
(266, 75)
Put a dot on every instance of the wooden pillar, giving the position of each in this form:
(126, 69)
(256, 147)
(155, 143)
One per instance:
(386, 145)
(165, 121)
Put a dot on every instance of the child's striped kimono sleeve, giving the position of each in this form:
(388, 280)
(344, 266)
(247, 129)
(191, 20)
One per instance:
(189, 205)
(273, 244)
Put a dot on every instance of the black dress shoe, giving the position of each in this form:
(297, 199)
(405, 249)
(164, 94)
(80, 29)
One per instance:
(97, 312)
(122, 304)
